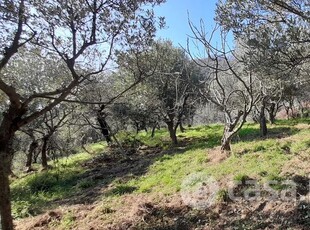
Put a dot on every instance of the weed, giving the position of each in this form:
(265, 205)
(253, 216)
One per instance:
(21, 209)
(67, 221)
(84, 184)
(122, 189)
(222, 195)
(107, 210)
(241, 178)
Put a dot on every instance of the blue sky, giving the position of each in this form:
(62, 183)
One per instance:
(176, 13)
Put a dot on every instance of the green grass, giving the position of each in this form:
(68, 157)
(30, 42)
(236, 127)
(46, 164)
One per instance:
(167, 175)
(161, 138)
(32, 193)
(121, 190)
(252, 157)
(292, 122)
(67, 221)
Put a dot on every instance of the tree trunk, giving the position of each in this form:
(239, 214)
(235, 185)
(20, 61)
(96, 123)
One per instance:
(5, 202)
(263, 126)
(172, 133)
(153, 131)
(44, 153)
(263, 122)
(35, 156)
(137, 127)
(104, 127)
(272, 113)
(5, 168)
(8, 128)
(155, 125)
(226, 140)
(33, 146)
(182, 129)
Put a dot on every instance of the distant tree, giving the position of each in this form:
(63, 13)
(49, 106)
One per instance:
(168, 91)
(52, 121)
(31, 130)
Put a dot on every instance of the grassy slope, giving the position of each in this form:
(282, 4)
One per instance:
(32, 194)
(255, 157)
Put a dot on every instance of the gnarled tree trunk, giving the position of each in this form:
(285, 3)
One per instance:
(104, 126)
(5, 203)
(154, 127)
(263, 126)
(153, 131)
(182, 129)
(226, 139)
(225, 142)
(231, 128)
(36, 155)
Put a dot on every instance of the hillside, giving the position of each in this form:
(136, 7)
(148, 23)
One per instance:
(158, 186)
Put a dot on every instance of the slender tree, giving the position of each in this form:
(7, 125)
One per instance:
(227, 83)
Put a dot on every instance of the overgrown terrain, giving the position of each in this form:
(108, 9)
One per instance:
(105, 189)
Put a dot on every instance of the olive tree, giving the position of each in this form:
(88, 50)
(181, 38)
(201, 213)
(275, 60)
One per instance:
(168, 91)
(82, 35)
(228, 83)
(273, 35)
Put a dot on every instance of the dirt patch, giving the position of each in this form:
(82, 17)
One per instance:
(141, 211)
(38, 222)
(171, 213)
(54, 219)
(298, 165)
(302, 126)
(216, 155)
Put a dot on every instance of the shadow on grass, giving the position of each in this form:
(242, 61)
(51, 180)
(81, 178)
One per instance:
(248, 134)
(200, 142)
(40, 188)
(94, 179)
